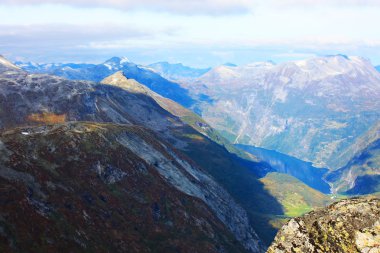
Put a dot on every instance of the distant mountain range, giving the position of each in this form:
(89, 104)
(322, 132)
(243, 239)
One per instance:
(97, 72)
(313, 109)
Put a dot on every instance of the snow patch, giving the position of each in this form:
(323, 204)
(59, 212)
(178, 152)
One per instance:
(108, 66)
(124, 60)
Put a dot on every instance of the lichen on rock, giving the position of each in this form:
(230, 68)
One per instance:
(351, 225)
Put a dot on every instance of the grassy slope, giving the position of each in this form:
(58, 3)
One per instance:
(295, 197)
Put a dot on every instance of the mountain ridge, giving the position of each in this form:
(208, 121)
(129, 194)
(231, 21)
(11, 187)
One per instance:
(97, 72)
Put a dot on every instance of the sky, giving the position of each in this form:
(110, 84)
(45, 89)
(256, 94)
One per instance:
(199, 33)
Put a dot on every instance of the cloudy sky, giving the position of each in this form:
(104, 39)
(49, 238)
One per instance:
(195, 32)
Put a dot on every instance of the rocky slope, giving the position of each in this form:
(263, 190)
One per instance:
(90, 187)
(313, 109)
(351, 225)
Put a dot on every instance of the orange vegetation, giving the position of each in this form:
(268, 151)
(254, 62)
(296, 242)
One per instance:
(47, 118)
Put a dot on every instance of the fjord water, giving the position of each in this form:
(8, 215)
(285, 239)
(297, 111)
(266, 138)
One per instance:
(297, 168)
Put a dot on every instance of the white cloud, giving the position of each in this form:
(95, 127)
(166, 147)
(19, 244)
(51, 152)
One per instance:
(213, 7)
(72, 35)
(69, 41)
(197, 6)
(320, 3)
(261, 29)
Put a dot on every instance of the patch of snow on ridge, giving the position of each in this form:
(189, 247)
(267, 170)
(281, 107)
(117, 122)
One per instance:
(124, 60)
(108, 66)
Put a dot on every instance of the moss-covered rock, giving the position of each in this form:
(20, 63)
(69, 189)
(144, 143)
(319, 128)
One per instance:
(351, 225)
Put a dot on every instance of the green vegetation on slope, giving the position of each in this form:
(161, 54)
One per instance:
(296, 197)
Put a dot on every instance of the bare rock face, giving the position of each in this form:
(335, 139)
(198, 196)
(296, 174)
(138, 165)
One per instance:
(351, 225)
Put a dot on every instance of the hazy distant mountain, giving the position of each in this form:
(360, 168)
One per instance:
(313, 109)
(177, 71)
(97, 72)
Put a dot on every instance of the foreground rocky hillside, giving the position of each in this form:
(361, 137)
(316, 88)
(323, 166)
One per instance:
(351, 225)
(90, 187)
